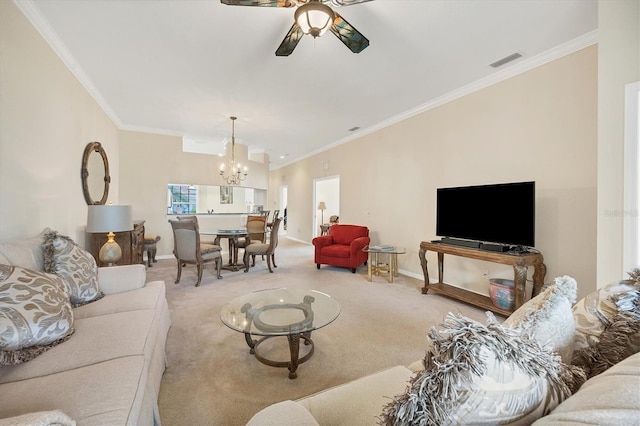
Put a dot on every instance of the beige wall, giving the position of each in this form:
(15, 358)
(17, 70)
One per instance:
(619, 64)
(149, 162)
(46, 120)
(540, 125)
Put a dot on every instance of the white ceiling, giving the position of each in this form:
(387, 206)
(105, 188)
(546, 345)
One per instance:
(182, 67)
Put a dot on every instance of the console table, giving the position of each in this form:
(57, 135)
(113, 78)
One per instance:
(520, 262)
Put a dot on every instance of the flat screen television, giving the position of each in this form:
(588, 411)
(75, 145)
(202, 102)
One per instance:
(500, 213)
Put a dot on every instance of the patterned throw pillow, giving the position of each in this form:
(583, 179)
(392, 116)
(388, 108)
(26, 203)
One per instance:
(548, 318)
(75, 266)
(35, 313)
(483, 374)
(595, 311)
(607, 326)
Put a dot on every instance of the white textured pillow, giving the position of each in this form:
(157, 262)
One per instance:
(483, 374)
(26, 253)
(548, 317)
(75, 266)
(34, 312)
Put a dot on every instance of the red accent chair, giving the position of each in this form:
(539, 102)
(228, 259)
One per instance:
(342, 247)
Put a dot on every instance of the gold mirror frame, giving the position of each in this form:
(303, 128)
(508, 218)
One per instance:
(88, 150)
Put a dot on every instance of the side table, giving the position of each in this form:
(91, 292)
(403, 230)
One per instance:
(374, 267)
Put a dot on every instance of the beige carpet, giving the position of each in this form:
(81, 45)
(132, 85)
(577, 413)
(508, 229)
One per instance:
(211, 379)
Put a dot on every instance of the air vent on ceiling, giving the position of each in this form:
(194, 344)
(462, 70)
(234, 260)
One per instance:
(506, 59)
(353, 129)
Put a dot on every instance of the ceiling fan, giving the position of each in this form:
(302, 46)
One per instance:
(314, 18)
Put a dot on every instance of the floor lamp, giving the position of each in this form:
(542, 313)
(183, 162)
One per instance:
(100, 219)
(322, 207)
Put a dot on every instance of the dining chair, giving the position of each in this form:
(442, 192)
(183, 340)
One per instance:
(189, 218)
(266, 249)
(194, 218)
(256, 226)
(188, 249)
(276, 213)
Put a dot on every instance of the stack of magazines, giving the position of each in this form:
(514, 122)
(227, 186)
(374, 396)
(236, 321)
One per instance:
(381, 248)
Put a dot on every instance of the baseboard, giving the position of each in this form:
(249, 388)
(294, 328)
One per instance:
(298, 241)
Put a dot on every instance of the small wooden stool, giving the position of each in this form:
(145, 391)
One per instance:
(150, 246)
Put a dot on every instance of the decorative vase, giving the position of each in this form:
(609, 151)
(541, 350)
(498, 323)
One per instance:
(502, 293)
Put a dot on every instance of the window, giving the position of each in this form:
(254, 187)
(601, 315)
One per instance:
(182, 199)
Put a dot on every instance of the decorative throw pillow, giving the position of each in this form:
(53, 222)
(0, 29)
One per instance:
(483, 374)
(614, 334)
(595, 312)
(26, 253)
(548, 318)
(75, 266)
(35, 313)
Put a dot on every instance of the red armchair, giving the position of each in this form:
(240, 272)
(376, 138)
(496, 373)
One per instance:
(342, 247)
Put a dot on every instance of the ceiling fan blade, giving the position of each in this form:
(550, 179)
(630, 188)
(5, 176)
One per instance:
(290, 41)
(347, 34)
(267, 3)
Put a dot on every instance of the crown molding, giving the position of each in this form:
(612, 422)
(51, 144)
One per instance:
(29, 9)
(518, 68)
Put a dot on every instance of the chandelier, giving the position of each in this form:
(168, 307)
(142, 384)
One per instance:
(236, 173)
(314, 18)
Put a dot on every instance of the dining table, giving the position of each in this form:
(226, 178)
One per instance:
(232, 235)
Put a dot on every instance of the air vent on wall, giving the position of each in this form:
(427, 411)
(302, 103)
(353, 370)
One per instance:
(506, 59)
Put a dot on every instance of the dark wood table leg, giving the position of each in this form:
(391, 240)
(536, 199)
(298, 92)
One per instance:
(520, 281)
(425, 271)
(294, 349)
(250, 342)
(539, 271)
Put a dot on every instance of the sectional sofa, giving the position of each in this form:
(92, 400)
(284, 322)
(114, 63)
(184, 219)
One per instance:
(530, 369)
(107, 369)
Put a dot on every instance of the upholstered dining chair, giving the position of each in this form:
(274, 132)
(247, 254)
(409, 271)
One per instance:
(188, 249)
(194, 218)
(266, 249)
(256, 226)
(189, 218)
(276, 213)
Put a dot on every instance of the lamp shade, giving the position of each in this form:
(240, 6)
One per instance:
(322, 206)
(102, 218)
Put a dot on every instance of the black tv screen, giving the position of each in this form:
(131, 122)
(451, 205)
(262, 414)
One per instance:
(499, 213)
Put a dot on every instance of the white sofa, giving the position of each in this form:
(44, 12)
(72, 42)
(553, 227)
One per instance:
(108, 372)
(610, 398)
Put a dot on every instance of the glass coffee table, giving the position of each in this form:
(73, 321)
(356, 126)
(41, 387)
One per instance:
(293, 313)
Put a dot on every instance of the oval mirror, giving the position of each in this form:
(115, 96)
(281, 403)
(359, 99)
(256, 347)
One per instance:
(95, 174)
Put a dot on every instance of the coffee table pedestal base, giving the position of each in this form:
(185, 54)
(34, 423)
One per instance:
(294, 350)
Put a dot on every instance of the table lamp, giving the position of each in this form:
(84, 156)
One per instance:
(322, 207)
(103, 218)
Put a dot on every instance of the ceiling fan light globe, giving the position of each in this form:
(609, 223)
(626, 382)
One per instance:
(314, 19)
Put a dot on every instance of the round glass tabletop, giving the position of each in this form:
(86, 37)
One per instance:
(280, 312)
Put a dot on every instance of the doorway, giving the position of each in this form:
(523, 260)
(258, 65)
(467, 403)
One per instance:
(284, 191)
(327, 191)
